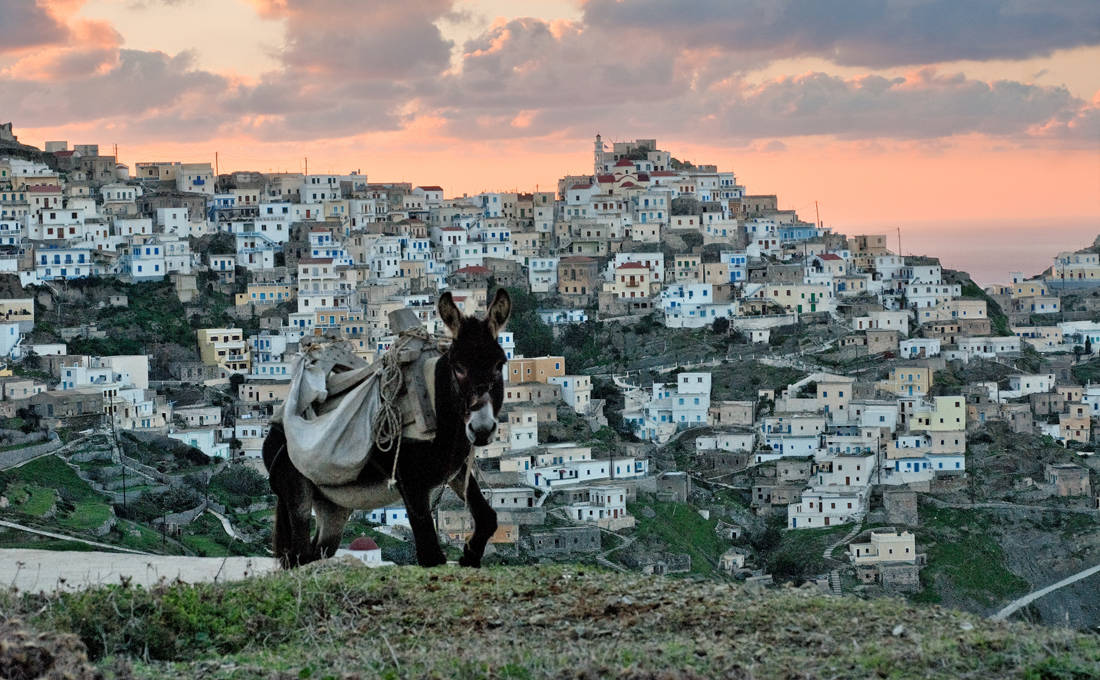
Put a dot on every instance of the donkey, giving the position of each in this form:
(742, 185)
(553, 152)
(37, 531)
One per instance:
(469, 391)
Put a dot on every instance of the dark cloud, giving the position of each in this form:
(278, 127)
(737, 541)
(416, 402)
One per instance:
(554, 75)
(924, 105)
(874, 33)
(349, 67)
(24, 23)
(363, 39)
(531, 78)
(141, 82)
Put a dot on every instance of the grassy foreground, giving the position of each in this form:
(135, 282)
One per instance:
(340, 621)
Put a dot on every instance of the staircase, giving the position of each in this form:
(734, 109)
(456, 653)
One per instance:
(856, 528)
(834, 581)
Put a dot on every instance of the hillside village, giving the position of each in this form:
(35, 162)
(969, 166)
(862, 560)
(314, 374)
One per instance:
(679, 347)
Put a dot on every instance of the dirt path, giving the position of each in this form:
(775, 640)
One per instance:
(229, 530)
(1024, 601)
(51, 570)
(50, 534)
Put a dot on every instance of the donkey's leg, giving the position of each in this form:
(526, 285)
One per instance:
(294, 499)
(331, 519)
(485, 518)
(428, 552)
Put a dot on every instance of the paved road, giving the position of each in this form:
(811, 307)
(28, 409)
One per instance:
(52, 570)
(1035, 595)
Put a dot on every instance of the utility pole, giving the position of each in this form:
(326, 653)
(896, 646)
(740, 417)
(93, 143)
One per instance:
(900, 254)
(216, 164)
(307, 165)
(817, 211)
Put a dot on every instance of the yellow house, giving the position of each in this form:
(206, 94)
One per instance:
(801, 297)
(907, 381)
(1075, 423)
(632, 280)
(535, 369)
(264, 391)
(17, 309)
(885, 546)
(224, 347)
(943, 413)
(686, 269)
(264, 294)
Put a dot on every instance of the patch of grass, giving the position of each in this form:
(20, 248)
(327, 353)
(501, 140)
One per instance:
(541, 622)
(799, 553)
(17, 540)
(682, 529)
(964, 557)
(88, 514)
(1087, 372)
(54, 473)
(40, 501)
(997, 319)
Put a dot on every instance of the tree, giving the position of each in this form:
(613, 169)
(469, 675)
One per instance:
(32, 361)
(721, 325)
(533, 337)
(1088, 346)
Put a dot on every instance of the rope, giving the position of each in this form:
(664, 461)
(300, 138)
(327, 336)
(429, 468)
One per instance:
(391, 381)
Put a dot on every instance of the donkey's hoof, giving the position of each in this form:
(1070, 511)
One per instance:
(433, 561)
(468, 560)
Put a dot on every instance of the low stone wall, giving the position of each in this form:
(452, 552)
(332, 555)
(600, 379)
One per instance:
(146, 470)
(9, 459)
(182, 518)
(105, 528)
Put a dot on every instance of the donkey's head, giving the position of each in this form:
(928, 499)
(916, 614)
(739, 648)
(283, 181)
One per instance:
(476, 360)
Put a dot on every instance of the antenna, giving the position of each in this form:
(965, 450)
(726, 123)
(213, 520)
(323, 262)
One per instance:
(817, 211)
(216, 164)
(899, 242)
(307, 165)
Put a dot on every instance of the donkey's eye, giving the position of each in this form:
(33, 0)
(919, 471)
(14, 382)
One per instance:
(460, 371)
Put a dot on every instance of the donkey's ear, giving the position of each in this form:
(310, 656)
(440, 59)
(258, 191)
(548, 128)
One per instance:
(449, 313)
(499, 311)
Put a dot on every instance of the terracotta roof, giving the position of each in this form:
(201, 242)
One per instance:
(453, 229)
(632, 265)
(473, 269)
(363, 543)
(577, 258)
(42, 189)
(624, 163)
(643, 177)
(581, 186)
(829, 256)
(431, 188)
(628, 184)
(314, 260)
(605, 179)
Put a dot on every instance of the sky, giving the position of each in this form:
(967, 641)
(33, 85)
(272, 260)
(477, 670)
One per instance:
(971, 122)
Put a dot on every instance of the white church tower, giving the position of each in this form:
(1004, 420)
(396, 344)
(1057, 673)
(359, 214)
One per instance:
(598, 156)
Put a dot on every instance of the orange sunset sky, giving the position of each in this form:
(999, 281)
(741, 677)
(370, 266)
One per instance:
(936, 116)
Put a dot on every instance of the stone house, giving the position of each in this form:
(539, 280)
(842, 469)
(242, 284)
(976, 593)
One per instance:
(1068, 479)
(675, 485)
(565, 540)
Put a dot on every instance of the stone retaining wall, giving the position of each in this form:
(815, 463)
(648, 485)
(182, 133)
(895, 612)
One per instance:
(9, 459)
